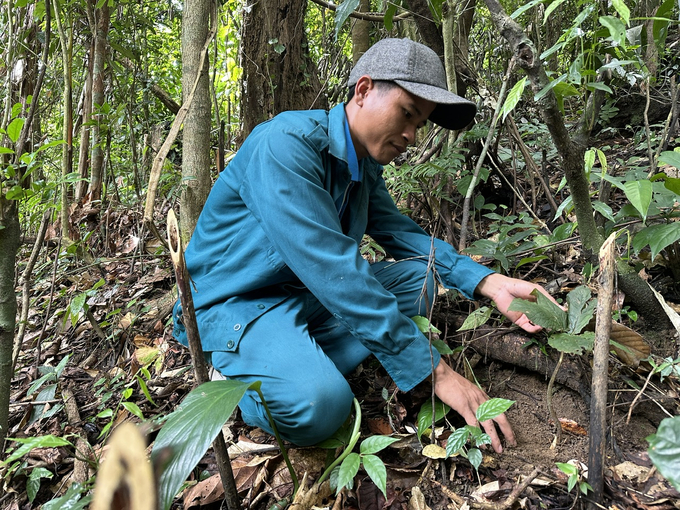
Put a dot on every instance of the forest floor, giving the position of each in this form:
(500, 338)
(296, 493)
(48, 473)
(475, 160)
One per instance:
(129, 329)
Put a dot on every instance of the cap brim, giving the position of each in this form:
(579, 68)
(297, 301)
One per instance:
(451, 112)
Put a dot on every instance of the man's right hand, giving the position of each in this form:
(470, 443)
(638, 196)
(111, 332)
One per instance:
(464, 397)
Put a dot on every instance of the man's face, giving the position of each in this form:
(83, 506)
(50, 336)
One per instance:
(387, 120)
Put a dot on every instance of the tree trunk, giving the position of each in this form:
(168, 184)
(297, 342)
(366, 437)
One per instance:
(278, 73)
(66, 40)
(9, 245)
(360, 32)
(98, 64)
(427, 28)
(196, 135)
(84, 151)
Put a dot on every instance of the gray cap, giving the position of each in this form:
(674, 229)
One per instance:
(417, 69)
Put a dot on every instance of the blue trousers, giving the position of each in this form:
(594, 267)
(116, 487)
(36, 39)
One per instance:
(302, 354)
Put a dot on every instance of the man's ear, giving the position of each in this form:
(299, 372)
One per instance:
(362, 88)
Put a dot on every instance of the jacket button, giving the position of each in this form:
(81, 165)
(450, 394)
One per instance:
(261, 306)
(230, 344)
(237, 327)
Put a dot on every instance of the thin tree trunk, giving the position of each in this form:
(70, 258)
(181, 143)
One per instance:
(196, 162)
(66, 39)
(360, 32)
(9, 245)
(84, 151)
(98, 62)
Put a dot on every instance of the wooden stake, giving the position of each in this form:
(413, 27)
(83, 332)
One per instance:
(196, 351)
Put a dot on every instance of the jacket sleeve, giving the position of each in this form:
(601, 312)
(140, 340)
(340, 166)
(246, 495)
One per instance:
(284, 189)
(402, 238)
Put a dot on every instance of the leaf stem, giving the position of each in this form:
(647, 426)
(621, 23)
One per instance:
(350, 446)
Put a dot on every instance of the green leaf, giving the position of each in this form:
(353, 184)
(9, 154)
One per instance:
(374, 444)
(525, 7)
(71, 500)
(476, 318)
(543, 312)
(190, 430)
(603, 209)
(567, 469)
(33, 482)
(425, 415)
(456, 441)
(375, 468)
(664, 449)
(6, 150)
(342, 13)
(580, 309)
(639, 193)
(657, 237)
(617, 30)
(598, 85)
(145, 389)
(623, 10)
(491, 408)
(554, 5)
(513, 97)
(475, 457)
(442, 347)
(572, 344)
(671, 158)
(390, 11)
(134, 409)
(14, 129)
(29, 443)
(348, 470)
(424, 325)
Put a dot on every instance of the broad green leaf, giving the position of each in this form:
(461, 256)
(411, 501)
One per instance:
(14, 129)
(554, 5)
(46, 393)
(29, 443)
(424, 325)
(491, 408)
(425, 415)
(567, 469)
(543, 312)
(639, 193)
(6, 150)
(603, 209)
(589, 160)
(76, 306)
(348, 470)
(33, 482)
(672, 184)
(342, 13)
(134, 409)
(657, 237)
(670, 158)
(145, 390)
(543, 92)
(664, 449)
(598, 85)
(476, 318)
(623, 10)
(530, 260)
(475, 457)
(375, 468)
(191, 429)
(374, 444)
(513, 97)
(617, 30)
(390, 11)
(456, 441)
(71, 500)
(525, 7)
(571, 482)
(580, 309)
(572, 344)
(442, 347)
(50, 144)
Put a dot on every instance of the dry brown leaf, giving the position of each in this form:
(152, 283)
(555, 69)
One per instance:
(204, 492)
(634, 349)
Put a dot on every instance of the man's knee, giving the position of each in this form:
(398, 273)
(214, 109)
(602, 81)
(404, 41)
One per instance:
(306, 415)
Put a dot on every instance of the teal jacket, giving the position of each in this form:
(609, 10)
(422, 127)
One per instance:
(272, 225)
